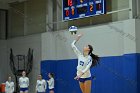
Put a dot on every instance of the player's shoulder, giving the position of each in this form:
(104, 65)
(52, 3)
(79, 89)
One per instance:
(6, 82)
(12, 82)
(26, 78)
(52, 79)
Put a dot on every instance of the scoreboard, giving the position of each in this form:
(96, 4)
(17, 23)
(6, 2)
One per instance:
(75, 9)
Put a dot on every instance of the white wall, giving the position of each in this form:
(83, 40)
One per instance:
(3, 61)
(49, 46)
(20, 45)
(138, 7)
(118, 5)
(130, 36)
(111, 39)
(138, 35)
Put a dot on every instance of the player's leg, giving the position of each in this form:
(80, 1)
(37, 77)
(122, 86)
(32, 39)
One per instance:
(51, 91)
(82, 86)
(26, 91)
(87, 86)
(21, 92)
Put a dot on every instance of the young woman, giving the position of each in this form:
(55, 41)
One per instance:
(23, 83)
(85, 61)
(41, 85)
(51, 82)
(9, 88)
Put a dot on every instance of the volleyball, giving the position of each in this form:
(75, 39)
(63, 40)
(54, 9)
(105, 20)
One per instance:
(73, 30)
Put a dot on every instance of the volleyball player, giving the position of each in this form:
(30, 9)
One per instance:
(9, 86)
(86, 60)
(41, 85)
(51, 82)
(24, 83)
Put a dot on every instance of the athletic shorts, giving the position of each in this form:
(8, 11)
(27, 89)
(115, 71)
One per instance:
(84, 79)
(23, 89)
(51, 89)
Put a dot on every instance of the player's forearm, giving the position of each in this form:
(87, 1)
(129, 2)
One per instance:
(45, 87)
(48, 82)
(73, 43)
(78, 38)
(13, 89)
(28, 82)
(86, 69)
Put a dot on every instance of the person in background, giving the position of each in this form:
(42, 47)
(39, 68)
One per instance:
(51, 82)
(9, 86)
(23, 83)
(41, 85)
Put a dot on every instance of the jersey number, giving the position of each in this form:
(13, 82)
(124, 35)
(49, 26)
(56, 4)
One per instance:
(81, 63)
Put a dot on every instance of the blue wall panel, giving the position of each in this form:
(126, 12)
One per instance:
(138, 72)
(115, 74)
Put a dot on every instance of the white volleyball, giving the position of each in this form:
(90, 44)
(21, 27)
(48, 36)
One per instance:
(73, 30)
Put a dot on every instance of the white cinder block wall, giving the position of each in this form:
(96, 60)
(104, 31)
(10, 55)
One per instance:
(137, 35)
(112, 39)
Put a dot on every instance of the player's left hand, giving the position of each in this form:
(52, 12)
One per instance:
(77, 78)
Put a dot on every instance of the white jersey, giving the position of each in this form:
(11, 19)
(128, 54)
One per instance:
(84, 62)
(9, 87)
(23, 82)
(41, 85)
(51, 83)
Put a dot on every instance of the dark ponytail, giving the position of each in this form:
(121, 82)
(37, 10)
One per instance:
(95, 58)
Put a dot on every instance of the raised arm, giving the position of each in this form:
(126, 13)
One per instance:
(75, 49)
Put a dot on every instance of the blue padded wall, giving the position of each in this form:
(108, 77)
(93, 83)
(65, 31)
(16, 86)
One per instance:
(115, 74)
(138, 72)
